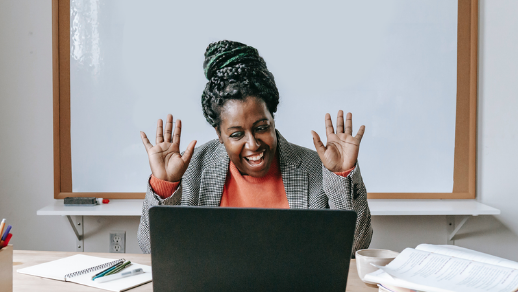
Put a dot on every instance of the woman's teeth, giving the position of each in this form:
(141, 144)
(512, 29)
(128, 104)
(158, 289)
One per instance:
(255, 158)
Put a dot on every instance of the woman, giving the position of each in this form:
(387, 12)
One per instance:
(251, 164)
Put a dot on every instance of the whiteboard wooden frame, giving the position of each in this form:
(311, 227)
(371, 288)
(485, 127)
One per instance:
(464, 171)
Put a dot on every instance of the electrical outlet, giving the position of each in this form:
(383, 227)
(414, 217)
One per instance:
(118, 241)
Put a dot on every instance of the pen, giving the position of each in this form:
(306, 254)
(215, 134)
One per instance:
(120, 268)
(107, 271)
(6, 232)
(109, 268)
(119, 276)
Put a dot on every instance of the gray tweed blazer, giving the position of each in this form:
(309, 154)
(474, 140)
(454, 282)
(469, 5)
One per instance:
(308, 185)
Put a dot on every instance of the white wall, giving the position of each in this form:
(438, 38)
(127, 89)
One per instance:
(497, 130)
(26, 175)
(26, 163)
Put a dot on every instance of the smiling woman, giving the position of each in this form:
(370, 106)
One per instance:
(247, 130)
(251, 164)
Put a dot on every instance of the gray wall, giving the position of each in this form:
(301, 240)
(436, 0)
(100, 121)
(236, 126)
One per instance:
(26, 163)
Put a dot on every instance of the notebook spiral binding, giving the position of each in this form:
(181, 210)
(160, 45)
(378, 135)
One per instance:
(85, 271)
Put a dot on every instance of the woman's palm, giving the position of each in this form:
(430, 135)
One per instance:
(165, 159)
(341, 151)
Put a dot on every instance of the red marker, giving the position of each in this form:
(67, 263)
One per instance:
(106, 201)
(6, 241)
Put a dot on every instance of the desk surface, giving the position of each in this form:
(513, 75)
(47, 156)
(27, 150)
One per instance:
(23, 259)
(377, 208)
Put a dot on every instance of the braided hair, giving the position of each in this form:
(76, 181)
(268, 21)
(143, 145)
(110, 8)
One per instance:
(235, 71)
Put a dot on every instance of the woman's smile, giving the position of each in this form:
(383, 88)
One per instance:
(256, 160)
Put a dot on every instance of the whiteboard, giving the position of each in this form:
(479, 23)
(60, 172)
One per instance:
(392, 63)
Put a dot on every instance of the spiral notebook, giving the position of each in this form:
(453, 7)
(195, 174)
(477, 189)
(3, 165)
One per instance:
(80, 268)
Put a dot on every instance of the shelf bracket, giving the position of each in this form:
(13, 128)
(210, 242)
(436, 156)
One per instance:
(457, 227)
(78, 230)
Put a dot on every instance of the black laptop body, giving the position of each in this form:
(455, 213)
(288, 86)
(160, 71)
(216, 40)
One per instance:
(235, 249)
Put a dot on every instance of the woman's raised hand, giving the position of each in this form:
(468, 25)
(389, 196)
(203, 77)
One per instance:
(341, 151)
(165, 159)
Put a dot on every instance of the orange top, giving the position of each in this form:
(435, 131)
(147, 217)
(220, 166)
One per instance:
(257, 192)
(244, 190)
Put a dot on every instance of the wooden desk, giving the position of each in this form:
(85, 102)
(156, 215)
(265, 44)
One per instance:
(23, 283)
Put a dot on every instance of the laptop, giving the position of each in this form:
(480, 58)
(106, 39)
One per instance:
(237, 249)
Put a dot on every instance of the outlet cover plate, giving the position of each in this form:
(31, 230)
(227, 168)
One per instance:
(117, 241)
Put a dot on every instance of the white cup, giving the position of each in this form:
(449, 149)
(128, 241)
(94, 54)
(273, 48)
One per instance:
(379, 257)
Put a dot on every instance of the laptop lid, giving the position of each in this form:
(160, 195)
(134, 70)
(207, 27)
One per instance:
(236, 249)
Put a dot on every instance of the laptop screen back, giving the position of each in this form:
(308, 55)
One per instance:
(233, 249)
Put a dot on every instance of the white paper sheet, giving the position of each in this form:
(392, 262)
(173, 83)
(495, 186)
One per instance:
(460, 252)
(381, 276)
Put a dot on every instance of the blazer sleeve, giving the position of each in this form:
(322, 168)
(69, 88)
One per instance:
(349, 193)
(153, 199)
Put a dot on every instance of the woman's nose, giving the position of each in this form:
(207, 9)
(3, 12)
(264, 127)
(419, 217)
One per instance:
(252, 143)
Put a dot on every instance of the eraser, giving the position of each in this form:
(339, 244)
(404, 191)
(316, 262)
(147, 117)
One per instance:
(80, 201)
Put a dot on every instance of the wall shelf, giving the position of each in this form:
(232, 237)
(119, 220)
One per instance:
(378, 207)
(385, 207)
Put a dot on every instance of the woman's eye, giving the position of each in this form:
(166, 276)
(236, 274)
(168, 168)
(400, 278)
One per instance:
(263, 128)
(236, 135)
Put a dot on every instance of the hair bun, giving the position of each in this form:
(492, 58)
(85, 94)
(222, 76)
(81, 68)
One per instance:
(235, 71)
(226, 53)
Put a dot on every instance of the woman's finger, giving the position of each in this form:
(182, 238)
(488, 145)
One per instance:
(329, 125)
(359, 135)
(349, 124)
(186, 157)
(168, 128)
(340, 122)
(145, 140)
(159, 131)
(177, 133)
(319, 146)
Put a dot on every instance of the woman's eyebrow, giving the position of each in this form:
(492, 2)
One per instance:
(261, 120)
(239, 127)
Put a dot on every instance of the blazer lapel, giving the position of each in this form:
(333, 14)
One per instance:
(295, 179)
(213, 178)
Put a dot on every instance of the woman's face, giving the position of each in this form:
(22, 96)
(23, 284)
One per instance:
(247, 130)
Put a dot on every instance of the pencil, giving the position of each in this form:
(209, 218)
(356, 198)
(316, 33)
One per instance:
(2, 227)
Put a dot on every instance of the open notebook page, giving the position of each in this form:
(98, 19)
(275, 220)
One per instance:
(119, 284)
(59, 268)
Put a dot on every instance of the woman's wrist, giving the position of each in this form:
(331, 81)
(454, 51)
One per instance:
(163, 188)
(345, 173)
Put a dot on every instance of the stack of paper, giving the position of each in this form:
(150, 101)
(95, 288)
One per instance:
(446, 268)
